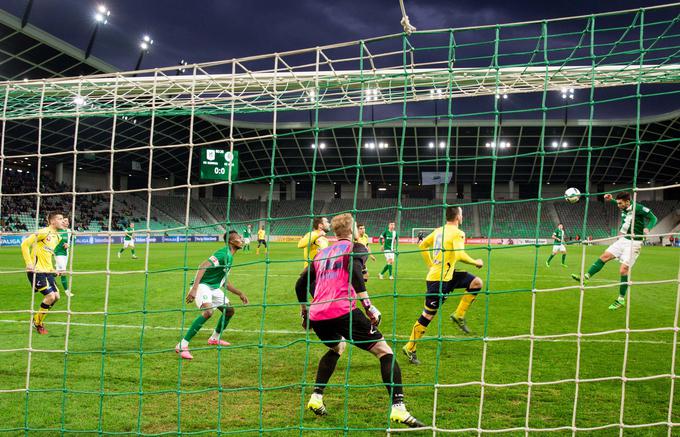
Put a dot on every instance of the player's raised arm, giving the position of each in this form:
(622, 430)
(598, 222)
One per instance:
(425, 247)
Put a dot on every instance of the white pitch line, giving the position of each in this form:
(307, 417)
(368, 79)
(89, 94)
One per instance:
(302, 334)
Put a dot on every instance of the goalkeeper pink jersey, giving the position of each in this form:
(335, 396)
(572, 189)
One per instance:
(333, 294)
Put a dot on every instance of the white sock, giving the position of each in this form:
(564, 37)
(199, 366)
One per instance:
(317, 396)
(399, 406)
(215, 335)
(183, 343)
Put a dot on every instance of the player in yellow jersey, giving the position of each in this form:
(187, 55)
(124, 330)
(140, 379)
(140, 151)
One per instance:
(447, 247)
(314, 240)
(363, 239)
(37, 250)
(311, 243)
(261, 240)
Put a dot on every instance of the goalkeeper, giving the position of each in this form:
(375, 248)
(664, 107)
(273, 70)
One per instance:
(333, 316)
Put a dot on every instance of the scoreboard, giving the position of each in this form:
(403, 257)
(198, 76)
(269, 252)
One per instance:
(219, 164)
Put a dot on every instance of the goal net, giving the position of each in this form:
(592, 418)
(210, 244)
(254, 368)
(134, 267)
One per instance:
(498, 120)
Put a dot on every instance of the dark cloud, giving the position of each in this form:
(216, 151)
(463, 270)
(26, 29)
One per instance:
(210, 30)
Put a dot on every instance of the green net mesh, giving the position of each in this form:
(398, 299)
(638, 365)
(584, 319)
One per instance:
(540, 358)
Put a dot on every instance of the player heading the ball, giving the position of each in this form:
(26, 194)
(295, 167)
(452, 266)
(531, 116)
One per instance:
(635, 223)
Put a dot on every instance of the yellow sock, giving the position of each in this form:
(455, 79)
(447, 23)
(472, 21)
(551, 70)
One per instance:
(464, 305)
(39, 317)
(416, 334)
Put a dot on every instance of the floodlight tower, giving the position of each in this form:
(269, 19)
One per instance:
(144, 45)
(101, 17)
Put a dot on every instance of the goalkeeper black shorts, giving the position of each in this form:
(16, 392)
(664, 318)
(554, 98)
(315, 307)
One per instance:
(359, 331)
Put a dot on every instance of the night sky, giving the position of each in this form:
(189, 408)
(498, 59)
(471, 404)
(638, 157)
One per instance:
(209, 30)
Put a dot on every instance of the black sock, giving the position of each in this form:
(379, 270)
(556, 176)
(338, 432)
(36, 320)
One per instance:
(391, 376)
(326, 368)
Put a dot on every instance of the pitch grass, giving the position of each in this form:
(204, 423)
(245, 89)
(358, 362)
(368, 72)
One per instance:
(121, 374)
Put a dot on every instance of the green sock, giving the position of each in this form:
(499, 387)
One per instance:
(133, 252)
(596, 267)
(550, 258)
(122, 250)
(64, 282)
(389, 268)
(196, 326)
(384, 269)
(564, 258)
(623, 288)
(222, 323)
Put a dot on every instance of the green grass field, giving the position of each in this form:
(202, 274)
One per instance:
(121, 374)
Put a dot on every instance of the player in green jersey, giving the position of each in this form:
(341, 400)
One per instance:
(247, 235)
(61, 255)
(635, 223)
(558, 245)
(129, 240)
(206, 292)
(388, 241)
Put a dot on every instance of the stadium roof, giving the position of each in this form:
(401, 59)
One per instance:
(32, 53)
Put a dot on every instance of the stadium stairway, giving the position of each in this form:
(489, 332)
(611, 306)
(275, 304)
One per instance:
(552, 212)
(207, 216)
(475, 221)
(667, 224)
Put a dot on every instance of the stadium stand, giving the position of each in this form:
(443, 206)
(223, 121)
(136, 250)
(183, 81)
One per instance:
(292, 216)
(515, 220)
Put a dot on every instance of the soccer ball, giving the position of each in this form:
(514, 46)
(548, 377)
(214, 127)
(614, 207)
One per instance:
(572, 195)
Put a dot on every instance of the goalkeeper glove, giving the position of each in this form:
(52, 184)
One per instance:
(372, 312)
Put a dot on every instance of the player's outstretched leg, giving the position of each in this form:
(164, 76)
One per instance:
(564, 259)
(120, 252)
(182, 347)
(547, 263)
(215, 339)
(593, 269)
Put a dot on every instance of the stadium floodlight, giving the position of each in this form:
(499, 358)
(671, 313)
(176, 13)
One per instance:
(503, 95)
(442, 144)
(565, 144)
(567, 93)
(102, 14)
(79, 101)
(183, 66)
(379, 189)
(146, 43)
(311, 96)
(321, 146)
(555, 144)
(431, 145)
